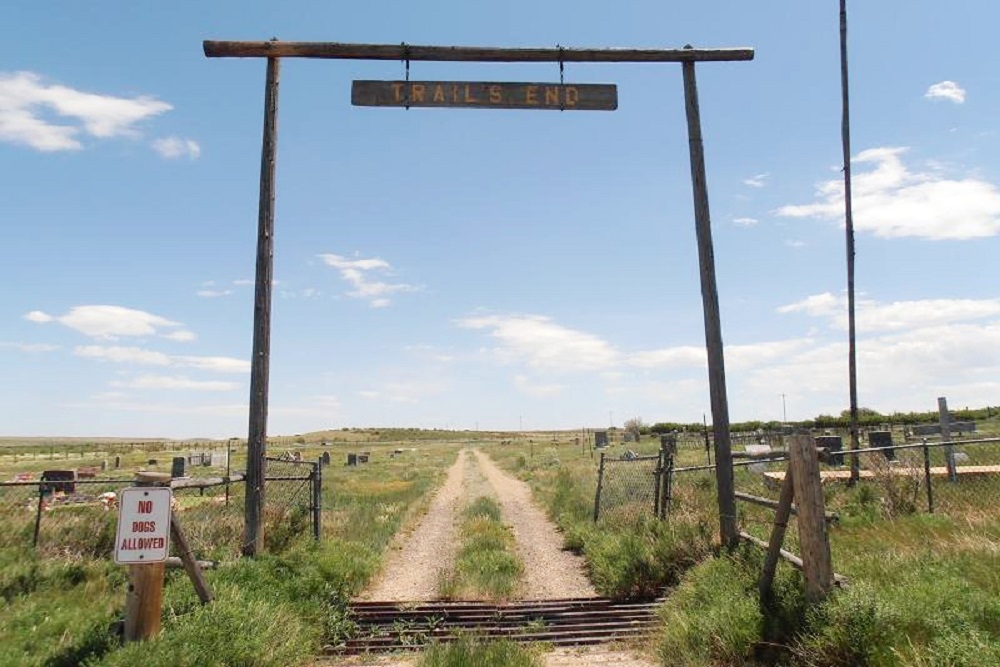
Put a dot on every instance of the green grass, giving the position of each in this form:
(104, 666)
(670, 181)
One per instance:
(473, 652)
(487, 565)
(277, 609)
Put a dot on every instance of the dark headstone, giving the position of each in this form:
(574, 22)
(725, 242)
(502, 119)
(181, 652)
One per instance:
(177, 469)
(206, 459)
(118, 462)
(882, 439)
(600, 439)
(352, 459)
(834, 444)
(325, 459)
(62, 481)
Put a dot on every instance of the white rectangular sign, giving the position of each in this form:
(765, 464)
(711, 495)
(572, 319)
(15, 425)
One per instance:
(143, 525)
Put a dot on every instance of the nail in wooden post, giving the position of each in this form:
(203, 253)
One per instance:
(260, 364)
(728, 528)
(813, 538)
(144, 600)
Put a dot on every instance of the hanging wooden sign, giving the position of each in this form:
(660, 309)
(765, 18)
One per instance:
(486, 95)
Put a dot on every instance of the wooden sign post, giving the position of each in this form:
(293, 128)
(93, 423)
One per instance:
(478, 95)
(144, 599)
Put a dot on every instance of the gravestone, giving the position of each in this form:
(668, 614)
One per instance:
(600, 439)
(833, 444)
(61, 481)
(325, 459)
(352, 459)
(961, 457)
(882, 439)
(118, 462)
(104, 466)
(206, 459)
(219, 459)
(177, 469)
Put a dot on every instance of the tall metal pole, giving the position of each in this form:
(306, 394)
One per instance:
(852, 357)
(260, 363)
(729, 531)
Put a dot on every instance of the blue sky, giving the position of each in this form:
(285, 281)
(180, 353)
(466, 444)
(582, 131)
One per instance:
(481, 268)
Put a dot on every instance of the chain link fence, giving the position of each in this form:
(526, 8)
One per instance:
(61, 514)
(633, 486)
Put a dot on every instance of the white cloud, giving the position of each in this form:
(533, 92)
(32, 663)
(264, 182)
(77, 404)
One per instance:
(210, 293)
(758, 181)
(891, 201)
(946, 90)
(368, 393)
(38, 316)
(143, 357)
(172, 148)
(873, 316)
(671, 357)
(745, 222)
(27, 103)
(533, 387)
(29, 347)
(541, 343)
(181, 336)
(125, 355)
(792, 243)
(355, 272)
(108, 322)
(176, 382)
(217, 364)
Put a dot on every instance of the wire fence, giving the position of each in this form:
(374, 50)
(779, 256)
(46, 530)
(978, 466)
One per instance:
(62, 514)
(898, 475)
(633, 486)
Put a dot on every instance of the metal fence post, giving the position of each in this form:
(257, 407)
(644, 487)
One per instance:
(927, 477)
(38, 514)
(657, 483)
(597, 496)
(668, 484)
(317, 498)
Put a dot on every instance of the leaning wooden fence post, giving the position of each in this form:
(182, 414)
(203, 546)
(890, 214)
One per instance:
(144, 599)
(191, 565)
(817, 565)
(781, 516)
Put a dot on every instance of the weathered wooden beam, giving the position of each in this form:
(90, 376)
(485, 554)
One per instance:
(792, 559)
(781, 514)
(831, 517)
(340, 51)
(191, 565)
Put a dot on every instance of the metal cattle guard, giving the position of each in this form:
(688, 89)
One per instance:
(275, 50)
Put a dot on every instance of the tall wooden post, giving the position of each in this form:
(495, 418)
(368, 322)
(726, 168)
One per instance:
(144, 599)
(729, 531)
(852, 354)
(260, 363)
